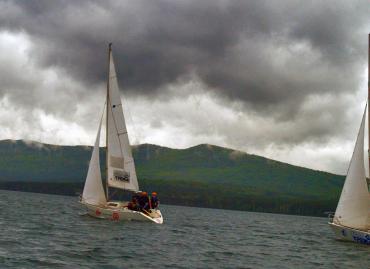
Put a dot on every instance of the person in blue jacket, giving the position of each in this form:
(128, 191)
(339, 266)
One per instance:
(154, 200)
(144, 201)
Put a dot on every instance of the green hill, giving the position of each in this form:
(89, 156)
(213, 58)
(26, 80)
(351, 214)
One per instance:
(203, 175)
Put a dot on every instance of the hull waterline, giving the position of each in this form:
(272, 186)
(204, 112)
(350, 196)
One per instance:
(122, 214)
(350, 234)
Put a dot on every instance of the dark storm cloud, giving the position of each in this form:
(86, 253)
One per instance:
(278, 78)
(229, 45)
(271, 56)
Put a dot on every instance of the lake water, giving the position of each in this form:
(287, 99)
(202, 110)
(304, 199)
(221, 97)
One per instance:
(46, 231)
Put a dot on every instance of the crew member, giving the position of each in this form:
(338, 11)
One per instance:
(154, 200)
(133, 205)
(144, 201)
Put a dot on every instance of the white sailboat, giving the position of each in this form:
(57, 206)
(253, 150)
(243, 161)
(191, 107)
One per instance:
(351, 220)
(352, 216)
(120, 165)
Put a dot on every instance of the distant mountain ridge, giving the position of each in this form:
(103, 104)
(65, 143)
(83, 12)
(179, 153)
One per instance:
(203, 175)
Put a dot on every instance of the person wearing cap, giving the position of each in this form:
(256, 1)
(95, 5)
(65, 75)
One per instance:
(154, 200)
(144, 200)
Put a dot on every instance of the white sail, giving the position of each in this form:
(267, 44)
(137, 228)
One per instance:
(354, 204)
(121, 171)
(93, 192)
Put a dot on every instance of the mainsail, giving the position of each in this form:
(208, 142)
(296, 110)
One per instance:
(353, 209)
(121, 171)
(93, 192)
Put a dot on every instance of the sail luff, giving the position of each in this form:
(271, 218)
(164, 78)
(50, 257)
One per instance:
(106, 126)
(354, 203)
(93, 192)
(368, 101)
(121, 171)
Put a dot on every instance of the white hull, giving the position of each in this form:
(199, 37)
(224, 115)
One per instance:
(350, 234)
(121, 213)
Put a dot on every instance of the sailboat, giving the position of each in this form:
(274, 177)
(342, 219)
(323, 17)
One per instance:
(351, 221)
(120, 165)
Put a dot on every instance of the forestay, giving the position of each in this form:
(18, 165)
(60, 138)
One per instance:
(120, 163)
(93, 192)
(354, 204)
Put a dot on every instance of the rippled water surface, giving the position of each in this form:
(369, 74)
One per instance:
(46, 231)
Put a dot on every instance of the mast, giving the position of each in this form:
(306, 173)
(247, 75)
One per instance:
(368, 101)
(106, 125)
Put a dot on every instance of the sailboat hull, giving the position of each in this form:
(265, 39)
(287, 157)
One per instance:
(122, 213)
(350, 234)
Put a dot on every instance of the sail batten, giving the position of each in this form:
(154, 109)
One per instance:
(121, 171)
(93, 192)
(353, 208)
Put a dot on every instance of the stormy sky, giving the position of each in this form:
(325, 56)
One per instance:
(282, 79)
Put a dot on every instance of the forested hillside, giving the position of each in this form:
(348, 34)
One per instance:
(203, 175)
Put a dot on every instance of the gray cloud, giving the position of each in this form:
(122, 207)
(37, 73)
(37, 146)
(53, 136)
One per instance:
(229, 44)
(295, 66)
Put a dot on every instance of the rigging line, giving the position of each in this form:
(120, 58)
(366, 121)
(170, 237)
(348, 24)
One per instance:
(102, 115)
(112, 194)
(115, 126)
(358, 135)
(119, 140)
(105, 103)
(101, 120)
(135, 136)
(130, 117)
(122, 133)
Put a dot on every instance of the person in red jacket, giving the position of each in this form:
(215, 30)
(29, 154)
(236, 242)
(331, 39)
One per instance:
(134, 204)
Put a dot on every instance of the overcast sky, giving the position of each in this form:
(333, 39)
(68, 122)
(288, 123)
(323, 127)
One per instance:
(282, 79)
